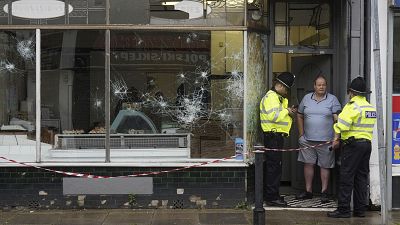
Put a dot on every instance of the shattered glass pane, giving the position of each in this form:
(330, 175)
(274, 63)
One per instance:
(17, 93)
(170, 77)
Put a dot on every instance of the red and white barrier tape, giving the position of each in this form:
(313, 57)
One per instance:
(262, 148)
(102, 177)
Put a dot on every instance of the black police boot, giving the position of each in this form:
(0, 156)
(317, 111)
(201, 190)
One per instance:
(278, 203)
(338, 214)
(359, 214)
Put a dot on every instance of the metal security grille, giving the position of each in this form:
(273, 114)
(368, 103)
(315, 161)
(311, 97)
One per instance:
(138, 141)
(81, 143)
(177, 204)
(168, 142)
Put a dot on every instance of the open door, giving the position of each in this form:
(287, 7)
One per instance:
(306, 68)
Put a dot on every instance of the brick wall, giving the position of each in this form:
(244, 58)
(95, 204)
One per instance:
(203, 188)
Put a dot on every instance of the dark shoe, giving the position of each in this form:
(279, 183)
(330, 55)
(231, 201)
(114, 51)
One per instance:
(324, 198)
(304, 195)
(278, 203)
(338, 214)
(359, 214)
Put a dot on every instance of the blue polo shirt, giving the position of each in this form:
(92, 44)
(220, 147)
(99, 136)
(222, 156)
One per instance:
(318, 116)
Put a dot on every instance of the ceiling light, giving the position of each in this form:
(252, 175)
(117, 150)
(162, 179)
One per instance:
(169, 3)
(38, 9)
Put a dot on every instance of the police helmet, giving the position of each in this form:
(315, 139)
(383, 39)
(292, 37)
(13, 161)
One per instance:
(359, 86)
(286, 78)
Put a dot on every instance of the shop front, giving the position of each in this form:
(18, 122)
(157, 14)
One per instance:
(165, 90)
(120, 88)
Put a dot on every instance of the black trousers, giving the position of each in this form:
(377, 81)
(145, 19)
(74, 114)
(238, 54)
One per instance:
(354, 172)
(272, 166)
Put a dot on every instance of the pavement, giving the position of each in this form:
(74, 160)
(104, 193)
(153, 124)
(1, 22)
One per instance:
(180, 217)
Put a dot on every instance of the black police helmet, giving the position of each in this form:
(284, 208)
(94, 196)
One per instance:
(286, 78)
(358, 85)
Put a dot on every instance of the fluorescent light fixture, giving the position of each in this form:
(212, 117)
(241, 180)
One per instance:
(38, 9)
(169, 3)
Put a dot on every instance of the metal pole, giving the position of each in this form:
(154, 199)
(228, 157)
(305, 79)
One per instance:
(389, 94)
(379, 107)
(245, 63)
(38, 109)
(107, 96)
(259, 211)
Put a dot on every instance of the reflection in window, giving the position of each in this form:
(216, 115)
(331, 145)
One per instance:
(257, 13)
(175, 83)
(302, 24)
(17, 93)
(28, 12)
(171, 12)
(87, 11)
(72, 89)
(210, 12)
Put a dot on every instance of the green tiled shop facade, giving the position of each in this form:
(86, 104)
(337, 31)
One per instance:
(211, 187)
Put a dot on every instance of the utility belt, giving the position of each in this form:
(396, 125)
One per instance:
(351, 140)
(273, 133)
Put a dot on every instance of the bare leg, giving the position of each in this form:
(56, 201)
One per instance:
(308, 176)
(325, 178)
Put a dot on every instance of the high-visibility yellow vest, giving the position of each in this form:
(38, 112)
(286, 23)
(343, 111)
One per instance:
(357, 119)
(274, 114)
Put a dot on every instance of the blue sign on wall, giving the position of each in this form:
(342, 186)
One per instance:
(397, 3)
(396, 138)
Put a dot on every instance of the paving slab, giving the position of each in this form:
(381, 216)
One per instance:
(223, 218)
(34, 218)
(4, 217)
(82, 218)
(129, 218)
(171, 221)
(180, 217)
(317, 217)
(176, 217)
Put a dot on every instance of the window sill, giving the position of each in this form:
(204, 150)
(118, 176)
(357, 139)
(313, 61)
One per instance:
(138, 163)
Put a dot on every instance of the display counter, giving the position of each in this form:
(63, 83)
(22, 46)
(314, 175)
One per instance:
(122, 141)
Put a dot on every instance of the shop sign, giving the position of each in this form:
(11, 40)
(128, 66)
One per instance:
(163, 57)
(396, 3)
(396, 130)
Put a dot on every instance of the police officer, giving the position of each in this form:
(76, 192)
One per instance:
(354, 128)
(275, 116)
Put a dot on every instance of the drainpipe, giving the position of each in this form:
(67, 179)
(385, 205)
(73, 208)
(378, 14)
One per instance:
(379, 107)
(258, 211)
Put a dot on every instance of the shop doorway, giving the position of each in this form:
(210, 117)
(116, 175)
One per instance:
(309, 37)
(305, 66)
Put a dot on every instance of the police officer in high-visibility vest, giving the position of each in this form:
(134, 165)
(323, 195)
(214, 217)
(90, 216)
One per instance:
(275, 117)
(354, 128)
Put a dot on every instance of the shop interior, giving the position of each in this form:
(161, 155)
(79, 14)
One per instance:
(163, 87)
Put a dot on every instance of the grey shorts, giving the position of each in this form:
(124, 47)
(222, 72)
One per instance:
(316, 155)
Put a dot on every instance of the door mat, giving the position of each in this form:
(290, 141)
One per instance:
(308, 203)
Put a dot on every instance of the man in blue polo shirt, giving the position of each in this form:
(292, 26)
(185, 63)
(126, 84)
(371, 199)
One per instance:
(316, 114)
